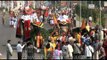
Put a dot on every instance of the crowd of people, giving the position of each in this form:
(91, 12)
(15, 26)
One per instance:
(90, 45)
(86, 42)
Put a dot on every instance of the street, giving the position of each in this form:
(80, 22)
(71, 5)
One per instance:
(61, 42)
(7, 33)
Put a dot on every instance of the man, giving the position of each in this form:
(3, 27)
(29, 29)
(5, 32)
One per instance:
(70, 50)
(76, 50)
(64, 50)
(30, 51)
(89, 50)
(9, 50)
(19, 50)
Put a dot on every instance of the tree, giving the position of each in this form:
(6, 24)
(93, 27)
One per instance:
(88, 12)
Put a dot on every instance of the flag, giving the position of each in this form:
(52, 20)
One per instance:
(83, 24)
(88, 27)
(55, 20)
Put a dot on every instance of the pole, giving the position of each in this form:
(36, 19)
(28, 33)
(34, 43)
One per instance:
(80, 13)
(100, 12)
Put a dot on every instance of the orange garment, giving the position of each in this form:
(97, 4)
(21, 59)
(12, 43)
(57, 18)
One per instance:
(83, 24)
(39, 41)
(79, 38)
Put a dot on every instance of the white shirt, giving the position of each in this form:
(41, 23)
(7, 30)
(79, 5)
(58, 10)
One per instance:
(60, 18)
(19, 47)
(101, 35)
(65, 17)
(22, 17)
(88, 51)
(9, 48)
(70, 49)
(51, 22)
(56, 54)
(35, 17)
(26, 17)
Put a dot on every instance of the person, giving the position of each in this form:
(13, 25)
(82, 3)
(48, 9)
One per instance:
(9, 49)
(96, 48)
(39, 40)
(89, 50)
(11, 13)
(57, 53)
(15, 21)
(101, 52)
(11, 22)
(79, 38)
(64, 50)
(70, 50)
(19, 50)
(77, 51)
(101, 36)
(105, 47)
(30, 51)
(3, 19)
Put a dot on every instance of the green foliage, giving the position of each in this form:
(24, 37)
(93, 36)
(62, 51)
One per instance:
(97, 5)
(102, 19)
(45, 33)
(95, 14)
(86, 12)
(51, 30)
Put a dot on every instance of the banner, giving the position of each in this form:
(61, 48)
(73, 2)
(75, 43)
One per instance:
(91, 6)
(63, 3)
